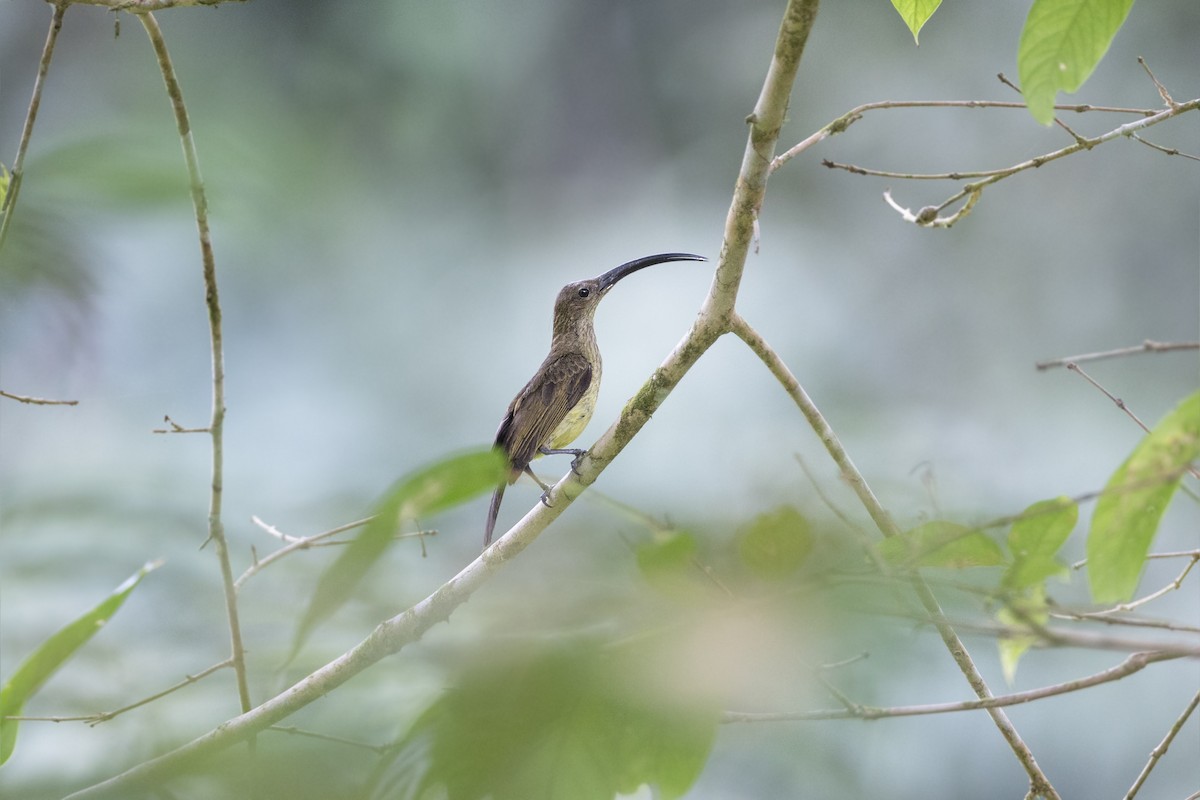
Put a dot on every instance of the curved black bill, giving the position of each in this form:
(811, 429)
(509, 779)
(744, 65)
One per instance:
(608, 279)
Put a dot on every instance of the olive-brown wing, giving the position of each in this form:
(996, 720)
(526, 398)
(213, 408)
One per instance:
(539, 408)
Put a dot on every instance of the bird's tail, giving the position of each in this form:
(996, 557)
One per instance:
(493, 511)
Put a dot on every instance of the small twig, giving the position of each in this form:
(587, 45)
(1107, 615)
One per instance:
(104, 716)
(1119, 403)
(845, 662)
(837, 512)
(1134, 663)
(1161, 750)
(374, 748)
(1162, 90)
(842, 123)
(295, 543)
(929, 216)
(1171, 151)
(1132, 622)
(9, 202)
(1148, 346)
(140, 7)
(1054, 637)
(1078, 139)
(37, 401)
(1131, 605)
(177, 428)
(308, 541)
(1173, 554)
(970, 192)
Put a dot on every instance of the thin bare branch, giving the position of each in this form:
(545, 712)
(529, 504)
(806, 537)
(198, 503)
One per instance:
(1170, 151)
(1119, 403)
(1134, 663)
(145, 6)
(8, 203)
(970, 192)
(295, 543)
(842, 123)
(105, 716)
(1148, 346)
(177, 428)
(1173, 586)
(216, 528)
(1162, 90)
(294, 731)
(37, 401)
(1161, 750)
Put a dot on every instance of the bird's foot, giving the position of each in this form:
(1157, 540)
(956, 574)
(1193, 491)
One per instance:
(568, 451)
(546, 498)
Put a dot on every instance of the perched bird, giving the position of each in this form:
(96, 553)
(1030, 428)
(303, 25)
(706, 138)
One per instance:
(557, 403)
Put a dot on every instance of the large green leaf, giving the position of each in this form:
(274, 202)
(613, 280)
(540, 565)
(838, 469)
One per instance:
(542, 724)
(1061, 44)
(1036, 536)
(51, 654)
(435, 488)
(941, 544)
(1128, 513)
(916, 13)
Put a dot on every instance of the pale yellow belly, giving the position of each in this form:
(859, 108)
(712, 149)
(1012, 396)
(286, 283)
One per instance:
(577, 418)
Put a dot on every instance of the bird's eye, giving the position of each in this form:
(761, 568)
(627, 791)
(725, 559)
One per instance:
(584, 292)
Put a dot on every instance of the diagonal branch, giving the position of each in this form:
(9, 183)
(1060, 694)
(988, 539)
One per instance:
(1040, 784)
(1161, 750)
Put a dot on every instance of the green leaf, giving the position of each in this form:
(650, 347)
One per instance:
(1036, 536)
(547, 723)
(52, 654)
(1061, 44)
(428, 491)
(1032, 607)
(941, 544)
(776, 543)
(916, 13)
(3, 185)
(1127, 514)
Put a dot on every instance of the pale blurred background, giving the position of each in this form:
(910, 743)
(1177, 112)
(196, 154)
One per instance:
(397, 192)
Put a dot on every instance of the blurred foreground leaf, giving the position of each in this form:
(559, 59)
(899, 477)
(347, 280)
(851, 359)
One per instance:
(1127, 514)
(1022, 613)
(1036, 536)
(428, 491)
(667, 562)
(52, 653)
(776, 543)
(1061, 44)
(544, 724)
(941, 544)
